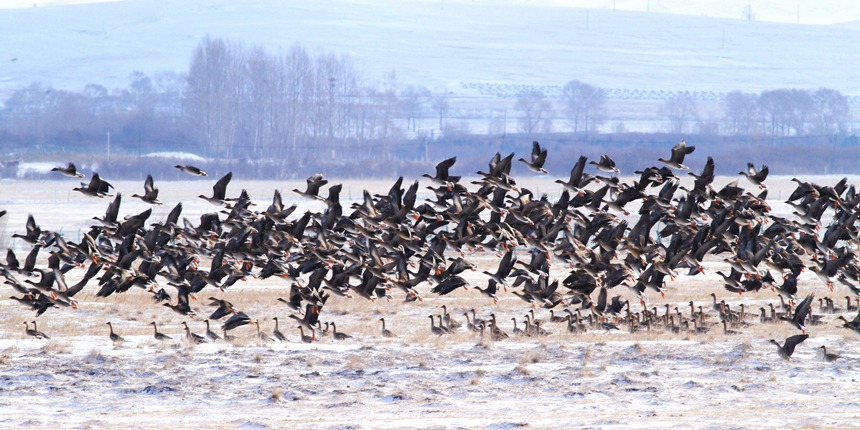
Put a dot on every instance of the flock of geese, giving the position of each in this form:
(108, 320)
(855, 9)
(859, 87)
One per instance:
(394, 242)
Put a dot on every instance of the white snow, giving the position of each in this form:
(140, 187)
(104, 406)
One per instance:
(694, 46)
(186, 156)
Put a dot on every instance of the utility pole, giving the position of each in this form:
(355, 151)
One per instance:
(108, 147)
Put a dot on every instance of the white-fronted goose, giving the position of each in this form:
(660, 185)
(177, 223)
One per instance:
(787, 349)
(70, 171)
(386, 332)
(115, 338)
(33, 331)
(191, 170)
(158, 335)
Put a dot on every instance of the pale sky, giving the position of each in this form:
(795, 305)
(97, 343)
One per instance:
(808, 11)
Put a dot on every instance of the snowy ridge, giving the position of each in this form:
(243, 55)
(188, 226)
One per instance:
(512, 43)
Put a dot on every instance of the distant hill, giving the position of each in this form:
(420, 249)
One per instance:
(674, 46)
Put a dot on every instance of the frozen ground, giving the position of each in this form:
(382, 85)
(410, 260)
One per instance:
(78, 379)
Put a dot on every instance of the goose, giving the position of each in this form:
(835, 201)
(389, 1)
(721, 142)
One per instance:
(33, 233)
(791, 342)
(453, 325)
(158, 335)
(96, 188)
(385, 332)
(34, 331)
(829, 357)
(469, 325)
(756, 177)
(439, 331)
(578, 179)
(517, 331)
(115, 338)
(278, 335)
(606, 164)
(191, 170)
(678, 153)
(211, 334)
(306, 339)
(538, 158)
(726, 331)
(70, 171)
(442, 178)
(219, 191)
(193, 337)
(314, 183)
(338, 335)
(262, 336)
(800, 314)
(150, 193)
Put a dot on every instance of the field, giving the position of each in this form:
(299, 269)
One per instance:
(599, 379)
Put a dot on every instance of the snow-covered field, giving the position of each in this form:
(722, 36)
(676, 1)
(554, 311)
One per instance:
(599, 379)
(643, 45)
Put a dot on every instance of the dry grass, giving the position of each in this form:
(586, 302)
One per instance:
(276, 395)
(531, 356)
(56, 347)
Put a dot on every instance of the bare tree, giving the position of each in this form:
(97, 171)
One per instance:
(414, 98)
(775, 115)
(535, 108)
(741, 111)
(680, 108)
(441, 106)
(831, 110)
(210, 95)
(801, 107)
(583, 104)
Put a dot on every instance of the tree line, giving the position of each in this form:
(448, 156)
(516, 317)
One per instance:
(237, 101)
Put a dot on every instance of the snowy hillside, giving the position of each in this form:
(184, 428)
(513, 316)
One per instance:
(644, 45)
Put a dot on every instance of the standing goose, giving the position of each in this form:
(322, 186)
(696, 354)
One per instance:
(453, 325)
(829, 357)
(469, 325)
(34, 332)
(191, 170)
(307, 339)
(211, 334)
(726, 330)
(338, 335)
(538, 158)
(386, 332)
(278, 335)
(158, 335)
(193, 337)
(219, 191)
(433, 328)
(678, 153)
(262, 336)
(787, 349)
(115, 338)
(70, 171)
(150, 193)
